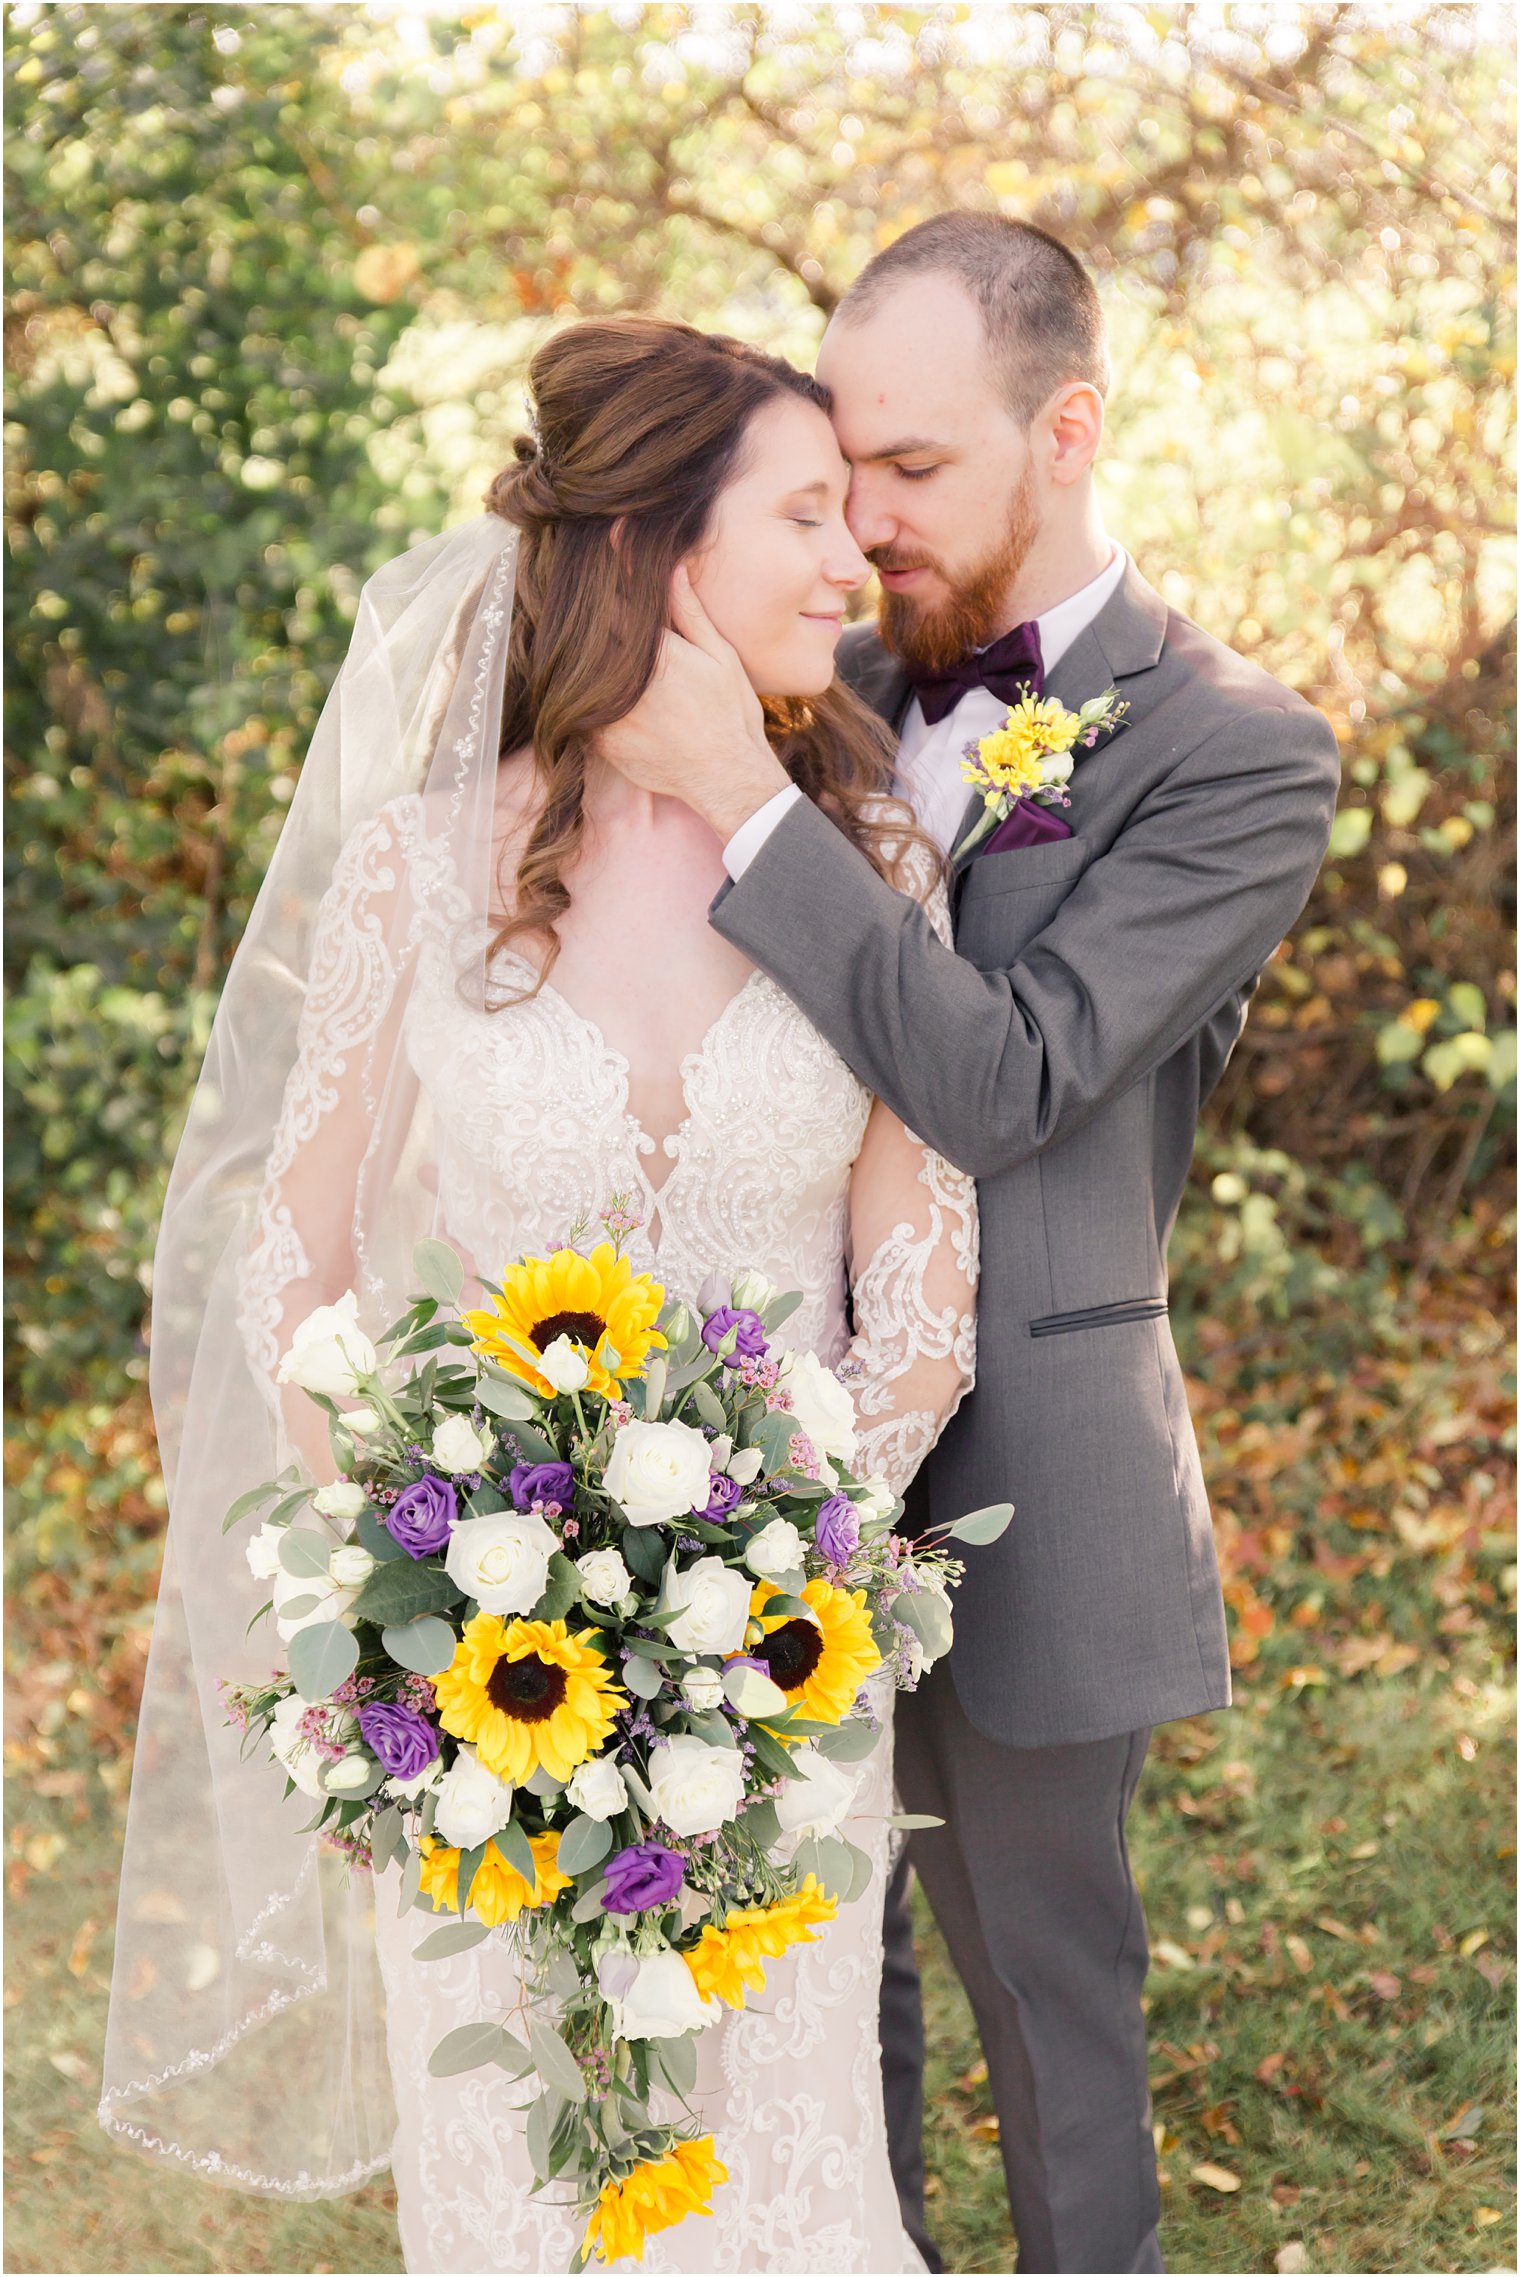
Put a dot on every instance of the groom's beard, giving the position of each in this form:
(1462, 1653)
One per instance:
(936, 636)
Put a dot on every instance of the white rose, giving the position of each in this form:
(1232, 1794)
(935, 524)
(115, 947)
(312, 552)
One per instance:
(409, 1789)
(751, 1692)
(343, 1499)
(878, 1500)
(712, 1601)
(746, 1465)
(329, 1351)
(819, 1801)
(719, 1450)
(350, 1566)
(596, 1787)
(703, 1688)
(263, 1552)
(821, 1405)
(565, 1365)
(660, 2001)
(332, 1602)
(458, 1446)
(501, 1561)
(473, 1804)
(1056, 766)
(347, 1776)
(362, 1420)
(752, 1292)
(292, 1747)
(659, 1471)
(776, 1549)
(604, 1577)
(695, 1788)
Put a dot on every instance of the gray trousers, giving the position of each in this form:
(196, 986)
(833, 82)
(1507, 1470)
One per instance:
(1029, 1880)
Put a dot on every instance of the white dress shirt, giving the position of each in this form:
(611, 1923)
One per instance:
(929, 758)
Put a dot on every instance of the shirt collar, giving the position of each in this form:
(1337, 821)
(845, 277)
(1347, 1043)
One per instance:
(1060, 626)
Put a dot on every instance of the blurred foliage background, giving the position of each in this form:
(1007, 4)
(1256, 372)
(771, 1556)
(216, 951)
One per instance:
(273, 276)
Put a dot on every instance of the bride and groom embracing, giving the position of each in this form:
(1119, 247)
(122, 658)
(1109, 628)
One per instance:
(767, 977)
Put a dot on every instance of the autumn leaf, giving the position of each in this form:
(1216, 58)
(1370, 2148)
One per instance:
(1215, 2177)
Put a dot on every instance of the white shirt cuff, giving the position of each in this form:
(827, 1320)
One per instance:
(750, 836)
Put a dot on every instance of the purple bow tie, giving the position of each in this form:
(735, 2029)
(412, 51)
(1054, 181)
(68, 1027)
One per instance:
(1011, 667)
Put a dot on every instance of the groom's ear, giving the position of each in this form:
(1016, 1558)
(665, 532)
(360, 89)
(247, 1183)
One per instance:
(1072, 422)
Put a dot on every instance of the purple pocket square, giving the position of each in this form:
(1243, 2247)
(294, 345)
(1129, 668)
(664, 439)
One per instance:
(1028, 824)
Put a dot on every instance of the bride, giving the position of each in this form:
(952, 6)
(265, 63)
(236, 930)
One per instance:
(479, 998)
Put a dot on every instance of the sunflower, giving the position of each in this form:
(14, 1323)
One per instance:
(527, 1693)
(605, 1309)
(499, 1892)
(725, 1960)
(655, 2196)
(820, 1664)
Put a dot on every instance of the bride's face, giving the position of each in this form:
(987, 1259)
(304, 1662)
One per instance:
(778, 560)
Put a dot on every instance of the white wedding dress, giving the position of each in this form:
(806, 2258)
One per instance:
(782, 1163)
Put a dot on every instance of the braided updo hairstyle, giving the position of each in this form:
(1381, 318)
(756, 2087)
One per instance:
(640, 423)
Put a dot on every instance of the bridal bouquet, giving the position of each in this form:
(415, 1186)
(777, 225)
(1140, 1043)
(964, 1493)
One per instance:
(581, 1636)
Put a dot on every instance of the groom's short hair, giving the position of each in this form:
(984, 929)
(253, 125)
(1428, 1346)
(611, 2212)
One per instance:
(1042, 316)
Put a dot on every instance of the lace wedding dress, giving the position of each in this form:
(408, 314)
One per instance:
(782, 1163)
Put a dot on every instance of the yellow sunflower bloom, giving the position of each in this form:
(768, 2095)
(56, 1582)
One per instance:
(499, 1892)
(820, 1664)
(725, 1960)
(527, 1693)
(606, 1309)
(655, 2196)
(1010, 758)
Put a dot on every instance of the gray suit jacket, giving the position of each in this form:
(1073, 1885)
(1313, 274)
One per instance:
(1061, 1053)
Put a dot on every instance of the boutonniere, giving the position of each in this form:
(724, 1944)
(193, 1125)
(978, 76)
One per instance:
(1029, 756)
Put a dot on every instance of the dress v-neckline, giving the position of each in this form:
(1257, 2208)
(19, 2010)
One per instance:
(643, 1141)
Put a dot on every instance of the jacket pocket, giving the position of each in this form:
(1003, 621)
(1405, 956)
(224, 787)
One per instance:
(1099, 1316)
(1018, 868)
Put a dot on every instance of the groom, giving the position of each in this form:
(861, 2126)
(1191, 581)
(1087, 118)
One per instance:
(1105, 955)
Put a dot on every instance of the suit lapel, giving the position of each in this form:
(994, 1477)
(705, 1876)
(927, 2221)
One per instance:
(1124, 640)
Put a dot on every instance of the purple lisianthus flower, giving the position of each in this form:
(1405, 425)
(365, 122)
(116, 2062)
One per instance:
(837, 1528)
(541, 1482)
(422, 1518)
(405, 1742)
(750, 1343)
(644, 1875)
(726, 1493)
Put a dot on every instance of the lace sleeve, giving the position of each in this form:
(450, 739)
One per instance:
(914, 1258)
(346, 1097)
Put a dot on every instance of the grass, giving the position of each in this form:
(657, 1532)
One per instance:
(1326, 2025)
(1327, 1884)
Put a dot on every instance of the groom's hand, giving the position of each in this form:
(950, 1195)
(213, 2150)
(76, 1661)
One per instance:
(697, 733)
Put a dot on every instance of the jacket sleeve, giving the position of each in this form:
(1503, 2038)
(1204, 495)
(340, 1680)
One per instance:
(1160, 931)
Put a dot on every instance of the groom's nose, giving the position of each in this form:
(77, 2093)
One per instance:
(865, 510)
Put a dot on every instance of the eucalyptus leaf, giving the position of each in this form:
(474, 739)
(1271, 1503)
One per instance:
(556, 2067)
(504, 1397)
(538, 2133)
(453, 1937)
(655, 1376)
(321, 1658)
(295, 1608)
(513, 1844)
(426, 1645)
(304, 1553)
(908, 1819)
(590, 1904)
(512, 2055)
(642, 1678)
(708, 1405)
(930, 1619)
(849, 1742)
(439, 1270)
(470, 1862)
(861, 1874)
(466, 2048)
(584, 1843)
(411, 1884)
(677, 2059)
(780, 1308)
(266, 1607)
(386, 1836)
(247, 1502)
(397, 1593)
(983, 1525)
(561, 1592)
(709, 1725)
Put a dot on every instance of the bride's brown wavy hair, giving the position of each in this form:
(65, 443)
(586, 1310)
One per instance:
(641, 423)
